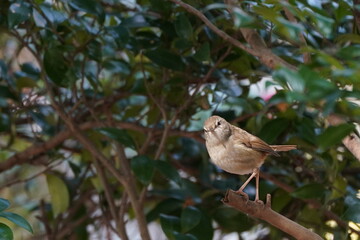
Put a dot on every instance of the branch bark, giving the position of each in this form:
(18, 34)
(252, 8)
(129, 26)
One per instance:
(264, 212)
(36, 149)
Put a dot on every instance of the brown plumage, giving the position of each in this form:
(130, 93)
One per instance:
(237, 151)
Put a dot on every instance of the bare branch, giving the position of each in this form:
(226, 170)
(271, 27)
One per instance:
(264, 54)
(264, 212)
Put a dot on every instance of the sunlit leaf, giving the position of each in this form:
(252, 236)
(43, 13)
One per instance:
(17, 219)
(59, 194)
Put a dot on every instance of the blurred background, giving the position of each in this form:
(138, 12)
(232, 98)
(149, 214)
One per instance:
(102, 104)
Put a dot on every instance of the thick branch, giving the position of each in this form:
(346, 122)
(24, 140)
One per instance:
(264, 212)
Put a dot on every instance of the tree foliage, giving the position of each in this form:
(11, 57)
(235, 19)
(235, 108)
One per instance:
(103, 101)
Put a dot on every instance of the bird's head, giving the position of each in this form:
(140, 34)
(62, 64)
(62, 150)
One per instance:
(217, 128)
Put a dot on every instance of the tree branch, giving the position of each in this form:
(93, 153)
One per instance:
(264, 212)
(36, 149)
(263, 53)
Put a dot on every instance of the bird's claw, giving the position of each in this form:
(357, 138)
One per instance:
(242, 194)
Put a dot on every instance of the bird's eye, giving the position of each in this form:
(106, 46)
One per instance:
(218, 123)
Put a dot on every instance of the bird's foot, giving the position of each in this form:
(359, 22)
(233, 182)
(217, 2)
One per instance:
(240, 192)
(258, 201)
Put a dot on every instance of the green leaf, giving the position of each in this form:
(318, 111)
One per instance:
(334, 135)
(17, 219)
(59, 194)
(117, 67)
(5, 123)
(183, 27)
(170, 225)
(143, 168)
(180, 236)
(289, 78)
(190, 217)
(309, 191)
(56, 66)
(168, 171)
(166, 59)
(241, 18)
(324, 24)
(118, 135)
(203, 54)
(5, 232)
(88, 6)
(18, 13)
(352, 213)
(55, 17)
(4, 204)
(272, 129)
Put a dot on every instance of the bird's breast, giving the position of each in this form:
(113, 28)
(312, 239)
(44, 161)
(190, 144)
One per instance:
(237, 159)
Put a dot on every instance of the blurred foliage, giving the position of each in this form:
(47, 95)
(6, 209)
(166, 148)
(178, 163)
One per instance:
(145, 75)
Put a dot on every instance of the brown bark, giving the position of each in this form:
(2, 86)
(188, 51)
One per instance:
(264, 212)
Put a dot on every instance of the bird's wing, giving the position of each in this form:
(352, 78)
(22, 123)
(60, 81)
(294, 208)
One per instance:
(254, 142)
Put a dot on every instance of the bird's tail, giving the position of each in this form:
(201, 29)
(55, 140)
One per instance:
(283, 148)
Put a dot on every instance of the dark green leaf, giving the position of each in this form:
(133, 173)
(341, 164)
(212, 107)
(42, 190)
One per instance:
(5, 93)
(352, 213)
(17, 219)
(18, 13)
(183, 27)
(5, 123)
(180, 236)
(166, 59)
(88, 6)
(30, 70)
(190, 217)
(5, 232)
(59, 194)
(117, 67)
(56, 66)
(272, 129)
(309, 191)
(143, 168)
(4, 204)
(118, 135)
(334, 134)
(203, 54)
(168, 171)
(170, 225)
(54, 16)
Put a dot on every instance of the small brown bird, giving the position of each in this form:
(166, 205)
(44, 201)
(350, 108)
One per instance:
(237, 151)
